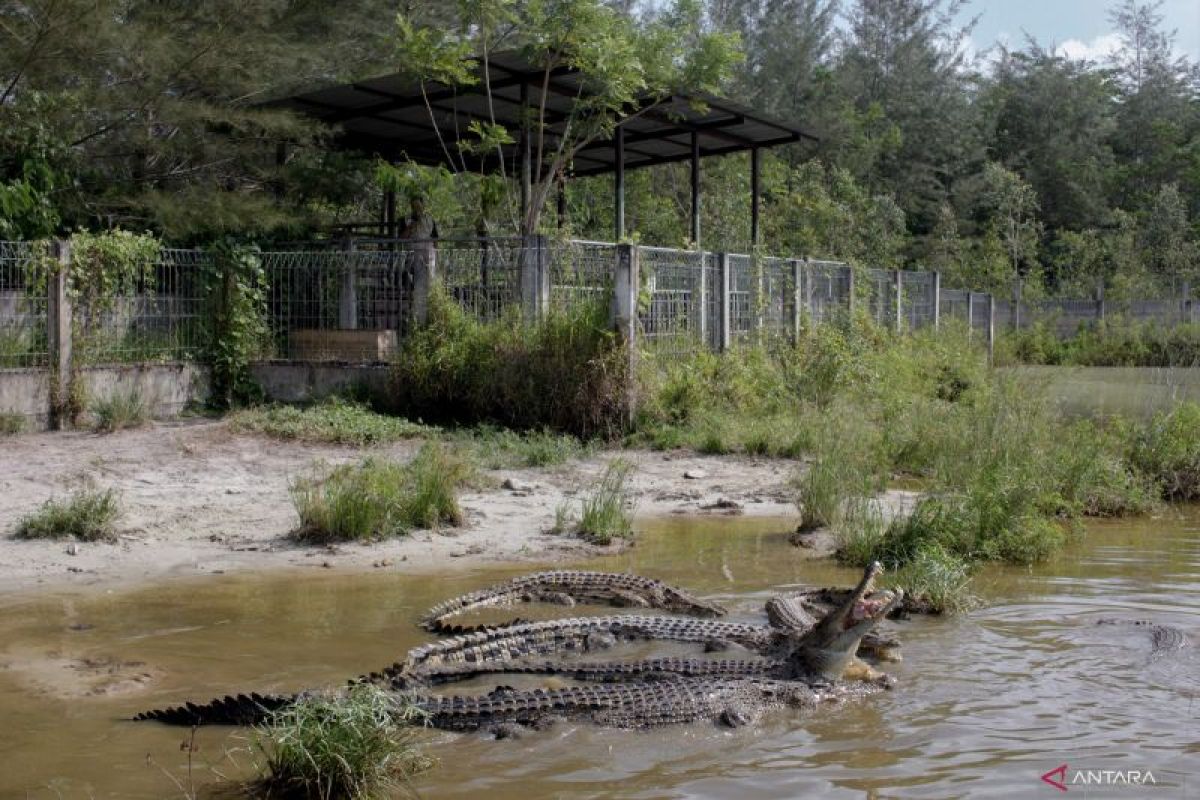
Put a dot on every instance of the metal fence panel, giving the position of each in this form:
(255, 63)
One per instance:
(23, 341)
(673, 318)
(581, 272)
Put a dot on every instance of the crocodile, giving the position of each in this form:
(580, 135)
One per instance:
(808, 670)
(1163, 638)
(568, 587)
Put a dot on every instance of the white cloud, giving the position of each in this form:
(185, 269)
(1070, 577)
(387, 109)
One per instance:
(1098, 49)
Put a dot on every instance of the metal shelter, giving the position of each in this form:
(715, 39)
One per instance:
(389, 116)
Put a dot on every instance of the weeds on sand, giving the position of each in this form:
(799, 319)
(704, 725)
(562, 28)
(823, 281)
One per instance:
(11, 423)
(377, 498)
(86, 514)
(120, 410)
(606, 513)
(333, 421)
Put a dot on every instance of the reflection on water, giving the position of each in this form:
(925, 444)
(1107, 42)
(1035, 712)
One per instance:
(986, 703)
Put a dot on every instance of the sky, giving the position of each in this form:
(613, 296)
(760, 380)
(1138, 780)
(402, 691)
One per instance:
(1079, 28)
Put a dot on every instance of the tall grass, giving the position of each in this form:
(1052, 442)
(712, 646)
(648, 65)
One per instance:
(362, 745)
(606, 513)
(88, 515)
(566, 371)
(120, 410)
(377, 498)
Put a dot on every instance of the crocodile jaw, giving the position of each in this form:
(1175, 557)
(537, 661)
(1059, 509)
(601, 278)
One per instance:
(830, 646)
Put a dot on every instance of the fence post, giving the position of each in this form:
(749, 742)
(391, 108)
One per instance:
(937, 300)
(699, 304)
(348, 294)
(58, 335)
(849, 289)
(810, 297)
(724, 331)
(534, 279)
(970, 315)
(1185, 307)
(898, 292)
(991, 329)
(1100, 301)
(757, 295)
(624, 317)
(797, 298)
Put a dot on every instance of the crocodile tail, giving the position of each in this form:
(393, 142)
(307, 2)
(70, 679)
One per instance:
(442, 627)
(242, 709)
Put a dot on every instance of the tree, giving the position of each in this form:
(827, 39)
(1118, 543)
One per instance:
(625, 69)
(1167, 240)
(1012, 207)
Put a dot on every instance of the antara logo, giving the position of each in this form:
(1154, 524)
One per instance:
(1057, 777)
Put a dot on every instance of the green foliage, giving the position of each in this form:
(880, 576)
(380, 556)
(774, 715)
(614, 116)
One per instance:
(120, 410)
(937, 580)
(360, 745)
(88, 515)
(498, 448)
(108, 265)
(1113, 343)
(1167, 451)
(334, 420)
(235, 301)
(565, 372)
(376, 498)
(11, 423)
(606, 513)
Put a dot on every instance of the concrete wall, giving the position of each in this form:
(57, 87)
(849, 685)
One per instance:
(166, 388)
(300, 381)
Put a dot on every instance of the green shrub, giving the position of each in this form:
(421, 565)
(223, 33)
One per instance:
(566, 372)
(1167, 452)
(937, 580)
(87, 514)
(362, 745)
(333, 421)
(498, 448)
(1116, 342)
(11, 423)
(120, 410)
(375, 498)
(607, 511)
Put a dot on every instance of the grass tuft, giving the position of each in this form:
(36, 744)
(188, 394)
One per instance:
(87, 514)
(11, 423)
(333, 421)
(358, 746)
(376, 498)
(119, 411)
(501, 448)
(607, 511)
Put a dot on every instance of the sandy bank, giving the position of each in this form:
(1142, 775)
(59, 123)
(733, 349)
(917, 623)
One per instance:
(199, 499)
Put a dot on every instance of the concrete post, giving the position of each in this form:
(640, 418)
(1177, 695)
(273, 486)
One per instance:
(898, 292)
(424, 263)
(1100, 301)
(348, 294)
(1185, 306)
(797, 298)
(937, 300)
(758, 301)
(624, 317)
(810, 298)
(970, 315)
(991, 329)
(534, 280)
(699, 300)
(849, 289)
(725, 324)
(58, 334)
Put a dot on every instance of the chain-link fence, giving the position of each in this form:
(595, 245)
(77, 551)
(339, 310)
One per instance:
(23, 340)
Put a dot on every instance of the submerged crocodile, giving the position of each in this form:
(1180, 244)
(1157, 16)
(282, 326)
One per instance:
(809, 664)
(1163, 638)
(568, 587)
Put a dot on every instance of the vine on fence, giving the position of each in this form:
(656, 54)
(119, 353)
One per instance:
(235, 296)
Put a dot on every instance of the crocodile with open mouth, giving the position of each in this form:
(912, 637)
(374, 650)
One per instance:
(807, 667)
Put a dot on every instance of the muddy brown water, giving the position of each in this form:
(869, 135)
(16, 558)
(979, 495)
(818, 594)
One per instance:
(986, 703)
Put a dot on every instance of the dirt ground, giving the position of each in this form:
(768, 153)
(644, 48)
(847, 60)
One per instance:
(199, 499)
